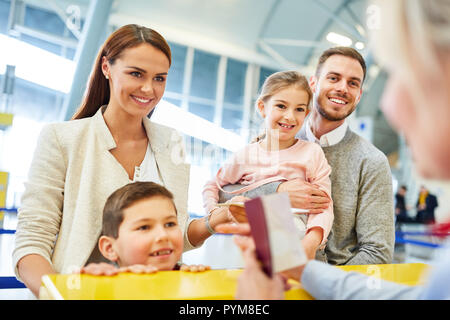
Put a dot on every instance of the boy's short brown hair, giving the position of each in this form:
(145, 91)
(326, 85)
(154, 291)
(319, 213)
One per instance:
(123, 198)
(343, 51)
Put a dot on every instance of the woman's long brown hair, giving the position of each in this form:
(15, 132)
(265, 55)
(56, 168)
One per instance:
(128, 36)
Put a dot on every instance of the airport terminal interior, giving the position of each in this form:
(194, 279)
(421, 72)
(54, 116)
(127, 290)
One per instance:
(222, 51)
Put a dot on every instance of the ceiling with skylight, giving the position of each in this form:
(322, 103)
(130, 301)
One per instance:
(222, 50)
(274, 34)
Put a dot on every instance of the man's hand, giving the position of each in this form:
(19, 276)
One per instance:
(305, 195)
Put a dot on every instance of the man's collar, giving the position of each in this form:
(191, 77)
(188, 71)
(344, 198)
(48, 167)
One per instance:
(328, 139)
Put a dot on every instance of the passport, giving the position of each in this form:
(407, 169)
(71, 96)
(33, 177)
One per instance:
(277, 240)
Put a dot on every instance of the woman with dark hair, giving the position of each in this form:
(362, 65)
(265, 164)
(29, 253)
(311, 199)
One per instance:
(109, 143)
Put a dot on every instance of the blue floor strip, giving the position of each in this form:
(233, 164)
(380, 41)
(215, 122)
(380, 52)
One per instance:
(10, 283)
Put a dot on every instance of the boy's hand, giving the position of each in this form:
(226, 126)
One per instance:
(194, 268)
(105, 269)
(139, 268)
(99, 269)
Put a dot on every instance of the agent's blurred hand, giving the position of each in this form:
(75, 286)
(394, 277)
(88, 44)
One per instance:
(244, 241)
(253, 283)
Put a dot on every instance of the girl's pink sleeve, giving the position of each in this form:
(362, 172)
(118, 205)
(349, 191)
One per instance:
(230, 173)
(320, 175)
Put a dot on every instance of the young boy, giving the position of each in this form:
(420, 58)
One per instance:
(140, 232)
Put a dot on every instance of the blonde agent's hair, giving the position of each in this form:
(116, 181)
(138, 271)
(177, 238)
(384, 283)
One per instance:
(409, 37)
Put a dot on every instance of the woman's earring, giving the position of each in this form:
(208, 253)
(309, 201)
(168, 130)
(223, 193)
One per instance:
(107, 77)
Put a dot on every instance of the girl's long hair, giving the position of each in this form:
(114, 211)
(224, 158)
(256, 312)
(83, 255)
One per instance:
(128, 36)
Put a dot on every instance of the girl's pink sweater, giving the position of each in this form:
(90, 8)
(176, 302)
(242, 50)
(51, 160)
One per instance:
(254, 166)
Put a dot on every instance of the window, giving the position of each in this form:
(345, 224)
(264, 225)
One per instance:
(176, 72)
(51, 47)
(48, 22)
(235, 82)
(176, 102)
(70, 53)
(4, 15)
(233, 107)
(204, 75)
(232, 119)
(36, 103)
(263, 74)
(44, 20)
(203, 110)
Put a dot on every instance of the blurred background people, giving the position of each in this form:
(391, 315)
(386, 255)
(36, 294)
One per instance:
(401, 209)
(426, 204)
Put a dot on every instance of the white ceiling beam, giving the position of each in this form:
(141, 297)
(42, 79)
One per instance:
(294, 42)
(65, 42)
(198, 41)
(284, 63)
(351, 29)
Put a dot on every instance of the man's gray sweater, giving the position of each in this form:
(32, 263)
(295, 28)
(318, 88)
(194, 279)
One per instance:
(361, 189)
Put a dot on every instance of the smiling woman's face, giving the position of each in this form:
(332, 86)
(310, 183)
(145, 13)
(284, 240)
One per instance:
(137, 79)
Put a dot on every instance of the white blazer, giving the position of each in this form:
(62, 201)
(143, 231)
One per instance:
(71, 176)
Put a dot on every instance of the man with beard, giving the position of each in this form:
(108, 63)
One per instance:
(363, 230)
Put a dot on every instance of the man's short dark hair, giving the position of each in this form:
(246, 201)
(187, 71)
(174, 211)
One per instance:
(343, 51)
(125, 197)
(403, 187)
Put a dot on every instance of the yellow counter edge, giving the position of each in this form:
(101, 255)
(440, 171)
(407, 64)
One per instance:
(48, 291)
(210, 285)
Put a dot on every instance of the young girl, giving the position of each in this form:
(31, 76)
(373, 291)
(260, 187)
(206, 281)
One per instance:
(278, 155)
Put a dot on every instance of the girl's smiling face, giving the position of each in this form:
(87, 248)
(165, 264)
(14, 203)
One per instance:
(284, 113)
(137, 79)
